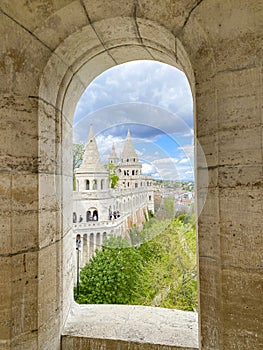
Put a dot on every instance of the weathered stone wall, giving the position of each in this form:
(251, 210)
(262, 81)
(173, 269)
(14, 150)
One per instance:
(49, 52)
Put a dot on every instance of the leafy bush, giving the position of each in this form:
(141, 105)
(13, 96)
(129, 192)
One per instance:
(159, 271)
(110, 276)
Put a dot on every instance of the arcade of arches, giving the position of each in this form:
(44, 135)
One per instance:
(50, 52)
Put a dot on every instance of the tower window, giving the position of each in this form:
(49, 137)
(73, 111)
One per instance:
(87, 185)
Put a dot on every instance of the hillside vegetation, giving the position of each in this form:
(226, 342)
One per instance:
(157, 269)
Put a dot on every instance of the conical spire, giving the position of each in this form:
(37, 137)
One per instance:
(128, 149)
(113, 152)
(91, 159)
(113, 158)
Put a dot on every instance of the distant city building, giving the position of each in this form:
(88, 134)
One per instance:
(98, 209)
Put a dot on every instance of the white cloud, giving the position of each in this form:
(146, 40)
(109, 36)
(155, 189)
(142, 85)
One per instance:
(148, 169)
(150, 98)
(184, 161)
(165, 161)
(140, 81)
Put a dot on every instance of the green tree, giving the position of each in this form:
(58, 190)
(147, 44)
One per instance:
(160, 271)
(78, 152)
(169, 277)
(110, 276)
(114, 178)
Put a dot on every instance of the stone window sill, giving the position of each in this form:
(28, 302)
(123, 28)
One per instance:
(129, 327)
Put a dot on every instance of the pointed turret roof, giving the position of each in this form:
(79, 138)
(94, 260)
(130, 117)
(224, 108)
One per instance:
(113, 158)
(128, 149)
(91, 159)
(113, 154)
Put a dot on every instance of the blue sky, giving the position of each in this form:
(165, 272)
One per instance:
(151, 99)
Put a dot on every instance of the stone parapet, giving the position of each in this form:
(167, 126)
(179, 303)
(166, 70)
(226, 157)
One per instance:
(129, 327)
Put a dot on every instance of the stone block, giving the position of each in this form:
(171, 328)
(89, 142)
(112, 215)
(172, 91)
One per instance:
(50, 203)
(67, 167)
(31, 14)
(239, 99)
(98, 10)
(6, 300)
(61, 24)
(134, 52)
(250, 176)
(67, 272)
(5, 213)
(24, 279)
(208, 237)
(131, 327)
(162, 37)
(22, 58)
(48, 283)
(111, 32)
(158, 54)
(241, 230)
(209, 146)
(240, 146)
(209, 302)
(18, 148)
(67, 208)
(169, 15)
(49, 151)
(242, 311)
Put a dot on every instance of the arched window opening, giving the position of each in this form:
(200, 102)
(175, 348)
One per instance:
(87, 185)
(135, 204)
(95, 215)
(74, 217)
(88, 216)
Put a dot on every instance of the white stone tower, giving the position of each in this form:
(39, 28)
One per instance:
(129, 168)
(113, 158)
(92, 184)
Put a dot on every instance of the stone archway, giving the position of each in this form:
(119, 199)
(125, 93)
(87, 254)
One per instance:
(51, 53)
(68, 81)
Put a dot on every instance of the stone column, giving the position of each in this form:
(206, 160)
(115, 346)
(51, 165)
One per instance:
(229, 129)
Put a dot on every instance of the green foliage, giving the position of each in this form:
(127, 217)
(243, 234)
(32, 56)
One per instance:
(169, 277)
(114, 178)
(160, 271)
(110, 276)
(78, 153)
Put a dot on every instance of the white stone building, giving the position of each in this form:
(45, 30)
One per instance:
(99, 210)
